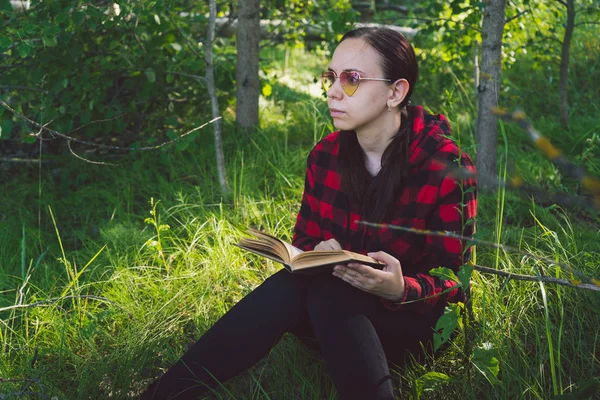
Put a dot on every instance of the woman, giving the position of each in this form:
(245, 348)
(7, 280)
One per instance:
(389, 163)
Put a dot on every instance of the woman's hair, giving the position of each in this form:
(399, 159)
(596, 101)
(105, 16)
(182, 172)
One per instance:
(398, 60)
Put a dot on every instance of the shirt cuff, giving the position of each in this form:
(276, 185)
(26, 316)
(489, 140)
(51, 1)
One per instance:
(411, 287)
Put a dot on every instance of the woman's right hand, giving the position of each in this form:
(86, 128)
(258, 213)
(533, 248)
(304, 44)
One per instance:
(330, 244)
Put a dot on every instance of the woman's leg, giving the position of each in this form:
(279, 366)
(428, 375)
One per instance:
(351, 326)
(239, 339)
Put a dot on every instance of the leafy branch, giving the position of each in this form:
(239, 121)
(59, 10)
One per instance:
(98, 145)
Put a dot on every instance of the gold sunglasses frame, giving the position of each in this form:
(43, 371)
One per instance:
(325, 75)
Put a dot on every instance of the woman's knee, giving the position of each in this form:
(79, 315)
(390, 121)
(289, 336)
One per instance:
(284, 289)
(331, 294)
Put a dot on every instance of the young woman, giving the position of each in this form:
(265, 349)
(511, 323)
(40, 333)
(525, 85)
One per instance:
(389, 163)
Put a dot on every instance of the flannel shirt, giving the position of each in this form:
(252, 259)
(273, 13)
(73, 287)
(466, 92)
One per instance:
(432, 199)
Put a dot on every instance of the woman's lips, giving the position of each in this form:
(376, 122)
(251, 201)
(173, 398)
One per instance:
(335, 112)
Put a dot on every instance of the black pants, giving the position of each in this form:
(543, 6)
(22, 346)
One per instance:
(356, 334)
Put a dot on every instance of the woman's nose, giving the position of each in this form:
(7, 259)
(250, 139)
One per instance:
(335, 91)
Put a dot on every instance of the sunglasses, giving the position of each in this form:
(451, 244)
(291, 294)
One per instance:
(350, 80)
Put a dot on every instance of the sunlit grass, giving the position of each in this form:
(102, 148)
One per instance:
(159, 290)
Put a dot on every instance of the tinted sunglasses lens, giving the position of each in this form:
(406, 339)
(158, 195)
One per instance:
(327, 80)
(349, 81)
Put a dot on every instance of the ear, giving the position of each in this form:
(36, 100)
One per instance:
(399, 90)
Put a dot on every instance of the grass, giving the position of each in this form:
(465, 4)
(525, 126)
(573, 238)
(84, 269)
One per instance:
(150, 244)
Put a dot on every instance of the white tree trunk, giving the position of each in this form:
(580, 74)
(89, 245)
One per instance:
(214, 102)
(489, 86)
(563, 84)
(247, 86)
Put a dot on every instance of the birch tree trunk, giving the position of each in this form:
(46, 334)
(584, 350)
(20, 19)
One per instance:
(563, 105)
(489, 86)
(212, 92)
(247, 84)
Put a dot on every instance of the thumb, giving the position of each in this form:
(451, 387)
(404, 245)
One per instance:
(390, 261)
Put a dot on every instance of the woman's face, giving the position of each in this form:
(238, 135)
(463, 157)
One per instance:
(362, 110)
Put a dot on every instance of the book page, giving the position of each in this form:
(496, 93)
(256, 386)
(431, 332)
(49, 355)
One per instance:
(277, 245)
(293, 251)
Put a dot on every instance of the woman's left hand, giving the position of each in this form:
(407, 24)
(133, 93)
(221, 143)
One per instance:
(387, 283)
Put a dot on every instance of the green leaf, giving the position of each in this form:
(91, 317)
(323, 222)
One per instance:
(176, 46)
(444, 273)
(430, 382)
(464, 275)
(170, 78)
(78, 17)
(5, 42)
(61, 17)
(24, 49)
(151, 75)
(157, 19)
(49, 41)
(30, 28)
(62, 109)
(446, 325)
(487, 363)
(51, 30)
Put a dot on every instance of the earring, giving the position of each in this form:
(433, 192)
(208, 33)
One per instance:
(389, 108)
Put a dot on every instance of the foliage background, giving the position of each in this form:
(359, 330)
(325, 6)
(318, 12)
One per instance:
(151, 237)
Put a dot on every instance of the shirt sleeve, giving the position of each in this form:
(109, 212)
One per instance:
(453, 212)
(307, 231)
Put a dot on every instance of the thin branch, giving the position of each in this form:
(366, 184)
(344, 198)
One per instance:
(104, 146)
(21, 160)
(545, 279)
(552, 153)
(95, 122)
(515, 16)
(25, 388)
(503, 247)
(200, 78)
(516, 183)
(564, 3)
(85, 159)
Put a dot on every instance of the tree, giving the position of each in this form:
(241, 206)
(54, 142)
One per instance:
(489, 86)
(246, 75)
(210, 83)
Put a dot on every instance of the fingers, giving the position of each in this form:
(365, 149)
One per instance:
(330, 244)
(356, 274)
(388, 260)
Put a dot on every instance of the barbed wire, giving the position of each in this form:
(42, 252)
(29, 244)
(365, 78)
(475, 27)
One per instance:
(589, 183)
(516, 183)
(98, 145)
(503, 247)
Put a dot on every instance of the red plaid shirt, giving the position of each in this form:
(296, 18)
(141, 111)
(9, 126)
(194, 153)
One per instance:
(432, 200)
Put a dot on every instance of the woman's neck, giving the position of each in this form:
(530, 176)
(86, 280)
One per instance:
(375, 139)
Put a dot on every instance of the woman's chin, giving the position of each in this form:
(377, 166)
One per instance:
(342, 125)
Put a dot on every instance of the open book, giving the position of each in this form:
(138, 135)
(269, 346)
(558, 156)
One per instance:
(298, 261)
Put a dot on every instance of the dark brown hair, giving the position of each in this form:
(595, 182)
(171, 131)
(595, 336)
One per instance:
(376, 200)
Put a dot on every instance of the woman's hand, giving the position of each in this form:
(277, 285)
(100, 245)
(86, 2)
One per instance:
(330, 244)
(387, 283)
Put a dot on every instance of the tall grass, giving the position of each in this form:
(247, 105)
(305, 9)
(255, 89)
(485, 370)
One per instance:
(133, 283)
